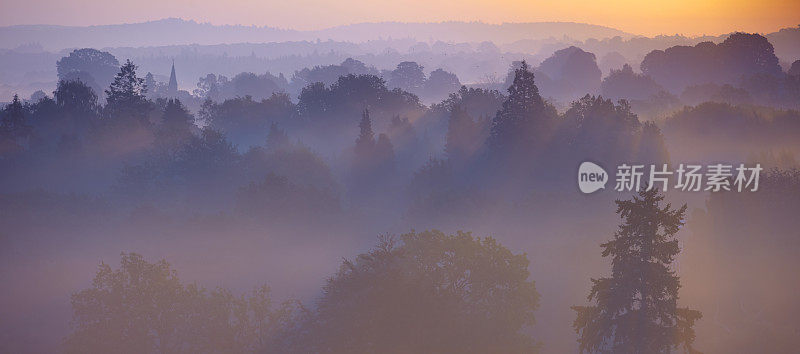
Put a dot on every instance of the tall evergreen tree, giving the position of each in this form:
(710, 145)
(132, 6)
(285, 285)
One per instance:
(13, 128)
(636, 308)
(126, 95)
(525, 119)
(176, 125)
(13, 121)
(366, 138)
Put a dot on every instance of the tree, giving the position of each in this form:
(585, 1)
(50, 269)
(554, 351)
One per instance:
(428, 292)
(152, 85)
(408, 76)
(126, 95)
(208, 87)
(524, 120)
(603, 131)
(365, 143)
(75, 113)
(13, 121)
(76, 97)
(794, 70)
(440, 84)
(143, 307)
(90, 65)
(636, 308)
(176, 126)
(477, 102)
(574, 73)
(463, 136)
(13, 127)
(625, 84)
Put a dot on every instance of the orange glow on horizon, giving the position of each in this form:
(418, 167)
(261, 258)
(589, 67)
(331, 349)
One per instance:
(649, 18)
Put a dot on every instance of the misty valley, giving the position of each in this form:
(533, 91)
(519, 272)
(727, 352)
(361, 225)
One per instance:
(380, 195)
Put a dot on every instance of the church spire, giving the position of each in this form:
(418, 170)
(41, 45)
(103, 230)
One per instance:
(172, 88)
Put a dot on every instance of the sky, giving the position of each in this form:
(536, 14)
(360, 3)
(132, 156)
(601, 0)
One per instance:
(648, 18)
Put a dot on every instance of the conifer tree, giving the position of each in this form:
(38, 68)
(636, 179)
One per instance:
(525, 121)
(13, 128)
(13, 118)
(636, 308)
(126, 95)
(366, 138)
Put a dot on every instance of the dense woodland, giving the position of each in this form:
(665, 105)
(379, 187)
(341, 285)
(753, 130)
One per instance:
(256, 187)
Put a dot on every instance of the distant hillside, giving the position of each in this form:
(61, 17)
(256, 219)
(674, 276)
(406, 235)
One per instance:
(176, 31)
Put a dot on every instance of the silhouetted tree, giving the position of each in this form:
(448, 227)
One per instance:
(740, 55)
(573, 73)
(636, 308)
(76, 97)
(408, 76)
(247, 121)
(14, 130)
(329, 74)
(208, 87)
(476, 102)
(176, 126)
(524, 121)
(440, 84)
(625, 84)
(794, 70)
(365, 143)
(126, 95)
(604, 131)
(93, 67)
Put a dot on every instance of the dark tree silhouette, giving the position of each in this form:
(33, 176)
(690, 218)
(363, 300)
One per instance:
(13, 128)
(90, 65)
(126, 95)
(524, 120)
(440, 84)
(408, 76)
(636, 309)
(176, 126)
(373, 160)
(740, 55)
(625, 84)
(794, 70)
(76, 97)
(573, 73)
(365, 143)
